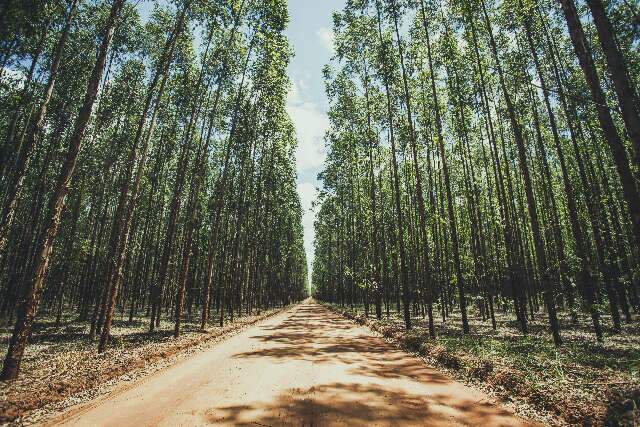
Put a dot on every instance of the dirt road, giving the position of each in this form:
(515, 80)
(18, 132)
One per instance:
(304, 367)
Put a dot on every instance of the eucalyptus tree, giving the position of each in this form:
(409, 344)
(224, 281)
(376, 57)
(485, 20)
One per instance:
(611, 135)
(126, 205)
(474, 121)
(23, 149)
(27, 309)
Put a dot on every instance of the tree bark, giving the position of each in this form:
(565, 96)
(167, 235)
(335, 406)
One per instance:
(618, 152)
(36, 129)
(29, 305)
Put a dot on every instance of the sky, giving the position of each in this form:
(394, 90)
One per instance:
(311, 36)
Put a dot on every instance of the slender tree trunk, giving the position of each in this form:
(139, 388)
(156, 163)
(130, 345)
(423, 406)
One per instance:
(426, 268)
(404, 277)
(122, 225)
(36, 129)
(374, 213)
(604, 116)
(625, 90)
(543, 267)
(447, 183)
(584, 278)
(29, 305)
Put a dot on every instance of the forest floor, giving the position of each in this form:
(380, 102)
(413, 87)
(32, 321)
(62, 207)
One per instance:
(304, 367)
(582, 382)
(61, 367)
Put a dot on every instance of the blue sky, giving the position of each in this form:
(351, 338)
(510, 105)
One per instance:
(310, 34)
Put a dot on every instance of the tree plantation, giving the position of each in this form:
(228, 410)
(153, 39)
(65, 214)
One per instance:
(147, 168)
(477, 158)
(476, 222)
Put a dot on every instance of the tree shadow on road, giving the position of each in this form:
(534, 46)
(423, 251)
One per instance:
(375, 398)
(314, 334)
(359, 405)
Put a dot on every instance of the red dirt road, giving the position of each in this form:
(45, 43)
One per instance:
(304, 367)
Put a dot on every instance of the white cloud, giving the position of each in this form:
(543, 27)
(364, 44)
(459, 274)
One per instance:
(311, 124)
(326, 37)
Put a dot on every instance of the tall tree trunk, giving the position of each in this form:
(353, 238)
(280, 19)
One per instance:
(36, 129)
(422, 216)
(618, 152)
(538, 241)
(374, 211)
(584, 278)
(404, 277)
(29, 305)
(447, 182)
(625, 90)
(124, 213)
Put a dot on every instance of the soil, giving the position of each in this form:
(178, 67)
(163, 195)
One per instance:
(306, 366)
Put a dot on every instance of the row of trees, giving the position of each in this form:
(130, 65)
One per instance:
(155, 155)
(483, 153)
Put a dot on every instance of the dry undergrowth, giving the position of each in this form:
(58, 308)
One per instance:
(581, 383)
(61, 363)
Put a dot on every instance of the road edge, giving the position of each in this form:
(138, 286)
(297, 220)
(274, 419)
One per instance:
(79, 402)
(514, 403)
